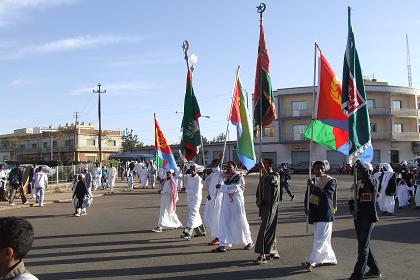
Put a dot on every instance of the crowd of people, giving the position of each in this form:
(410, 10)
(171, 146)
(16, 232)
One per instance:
(225, 219)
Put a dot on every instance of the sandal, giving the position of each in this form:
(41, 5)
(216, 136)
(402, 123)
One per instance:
(274, 256)
(219, 249)
(261, 259)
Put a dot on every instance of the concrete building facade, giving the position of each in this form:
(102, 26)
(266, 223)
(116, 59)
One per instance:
(65, 143)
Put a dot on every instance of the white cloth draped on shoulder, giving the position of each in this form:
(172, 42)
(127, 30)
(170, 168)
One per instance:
(213, 206)
(386, 202)
(169, 196)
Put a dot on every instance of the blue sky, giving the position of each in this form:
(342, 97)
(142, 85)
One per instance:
(53, 53)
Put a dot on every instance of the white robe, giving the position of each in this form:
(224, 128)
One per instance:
(97, 176)
(213, 206)
(403, 195)
(233, 225)
(194, 193)
(322, 252)
(112, 175)
(167, 216)
(386, 202)
(144, 176)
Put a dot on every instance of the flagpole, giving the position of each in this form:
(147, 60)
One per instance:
(312, 133)
(260, 10)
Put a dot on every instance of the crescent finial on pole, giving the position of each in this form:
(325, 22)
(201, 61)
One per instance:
(261, 10)
(185, 46)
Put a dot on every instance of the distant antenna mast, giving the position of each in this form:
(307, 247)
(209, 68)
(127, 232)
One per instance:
(410, 82)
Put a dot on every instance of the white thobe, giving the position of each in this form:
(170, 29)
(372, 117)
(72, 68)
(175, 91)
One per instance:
(233, 225)
(213, 206)
(167, 216)
(194, 193)
(322, 252)
(144, 176)
(403, 195)
(97, 176)
(112, 175)
(386, 202)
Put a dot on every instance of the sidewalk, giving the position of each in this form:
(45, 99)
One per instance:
(56, 194)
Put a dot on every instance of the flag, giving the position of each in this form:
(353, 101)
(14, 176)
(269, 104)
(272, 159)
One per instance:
(191, 137)
(263, 92)
(354, 102)
(240, 118)
(330, 125)
(164, 156)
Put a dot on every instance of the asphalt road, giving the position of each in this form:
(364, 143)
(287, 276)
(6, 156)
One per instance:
(115, 241)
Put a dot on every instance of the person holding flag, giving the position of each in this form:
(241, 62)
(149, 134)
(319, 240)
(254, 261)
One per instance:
(355, 106)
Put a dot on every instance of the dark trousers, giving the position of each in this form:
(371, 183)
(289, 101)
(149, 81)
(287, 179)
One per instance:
(13, 190)
(285, 185)
(365, 253)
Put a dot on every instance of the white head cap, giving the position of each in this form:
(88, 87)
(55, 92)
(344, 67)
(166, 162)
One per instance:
(170, 171)
(367, 166)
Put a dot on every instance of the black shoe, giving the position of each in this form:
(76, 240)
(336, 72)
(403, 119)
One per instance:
(220, 249)
(292, 198)
(307, 266)
(371, 274)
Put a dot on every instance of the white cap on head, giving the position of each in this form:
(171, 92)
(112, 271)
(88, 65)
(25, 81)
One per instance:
(367, 165)
(170, 171)
(192, 164)
(404, 162)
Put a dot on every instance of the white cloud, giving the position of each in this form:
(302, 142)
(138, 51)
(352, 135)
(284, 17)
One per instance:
(70, 44)
(13, 10)
(123, 88)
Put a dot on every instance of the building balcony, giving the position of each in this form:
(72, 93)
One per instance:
(410, 113)
(305, 113)
(375, 111)
(291, 138)
(406, 136)
(380, 136)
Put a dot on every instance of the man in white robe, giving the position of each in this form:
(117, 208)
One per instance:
(404, 194)
(112, 176)
(143, 175)
(194, 194)
(151, 169)
(233, 225)
(168, 200)
(97, 176)
(213, 203)
(386, 189)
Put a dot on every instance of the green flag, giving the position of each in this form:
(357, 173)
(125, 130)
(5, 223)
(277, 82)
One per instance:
(191, 137)
(354, 104)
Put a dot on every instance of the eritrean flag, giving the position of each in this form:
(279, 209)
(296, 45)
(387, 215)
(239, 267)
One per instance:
(240, 118)
(164, 157)
(330, 125)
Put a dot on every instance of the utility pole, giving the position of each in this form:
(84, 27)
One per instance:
(76, 122)
(99, 117)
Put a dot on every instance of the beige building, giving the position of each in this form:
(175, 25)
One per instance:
(58, 143)
(394, 116)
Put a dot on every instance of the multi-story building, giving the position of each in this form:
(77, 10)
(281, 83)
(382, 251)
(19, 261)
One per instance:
(394, 116)
(65, 143)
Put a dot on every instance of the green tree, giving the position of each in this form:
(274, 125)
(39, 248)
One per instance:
(130, 141)
(219, 138)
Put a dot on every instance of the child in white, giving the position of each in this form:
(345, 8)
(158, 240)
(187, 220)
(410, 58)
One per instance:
(130, 179)
(403, 194)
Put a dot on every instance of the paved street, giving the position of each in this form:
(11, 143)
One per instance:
(115, 241)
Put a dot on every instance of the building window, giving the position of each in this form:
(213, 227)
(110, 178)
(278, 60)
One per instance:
(45, 144)
(34, 146)
(398, 127)
(418, 105)
(372, 127)
(22, 146)
(90, 142)
(5, 157)
(91, 159)
(112, 143)
(297, 106)
(268, 132)
(299, 131)
(55, 144)
(396, 104)
(371, 103)
(68, 143)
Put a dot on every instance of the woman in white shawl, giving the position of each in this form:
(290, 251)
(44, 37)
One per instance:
(403, 194)
(168, 200)
(386, 188)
